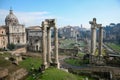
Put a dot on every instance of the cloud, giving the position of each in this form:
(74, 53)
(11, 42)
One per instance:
(35, 18)
(26, 18)
(31, 18)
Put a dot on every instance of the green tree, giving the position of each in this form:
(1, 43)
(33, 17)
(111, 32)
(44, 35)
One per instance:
(11, 46)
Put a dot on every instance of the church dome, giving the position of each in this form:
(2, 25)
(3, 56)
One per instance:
(11, 19)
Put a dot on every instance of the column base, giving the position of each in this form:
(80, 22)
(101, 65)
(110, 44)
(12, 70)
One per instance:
(43, 67)
(49, 64)
(57, 65)
(91, 60)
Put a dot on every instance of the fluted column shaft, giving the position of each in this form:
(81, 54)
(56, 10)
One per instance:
(44, 62)
(56, 47)
(93, 41)
(49, 45)
(100, 40)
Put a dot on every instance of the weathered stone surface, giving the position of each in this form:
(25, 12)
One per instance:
(18, 74)
(46, 43)
(94, 26)
(68, 51)
(3, 72)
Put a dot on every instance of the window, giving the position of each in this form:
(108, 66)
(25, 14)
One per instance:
(18, 41)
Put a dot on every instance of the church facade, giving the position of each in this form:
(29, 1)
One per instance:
(14, 31)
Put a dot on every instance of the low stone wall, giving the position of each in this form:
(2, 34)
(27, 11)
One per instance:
(68, 51)
(3, 73)
(17, 75)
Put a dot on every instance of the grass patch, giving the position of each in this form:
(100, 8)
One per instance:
(81, 54)
(76, 62)
(103, 52)
(114, 46)
(71, 44)
(56, 74)
(30, 62)
(3, 62)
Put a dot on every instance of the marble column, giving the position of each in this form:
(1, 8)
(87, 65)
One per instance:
(76, 37)
(56, 47)
(93, 36)
(44, 62)
(93, 40)
(49, 45)
(100, 40)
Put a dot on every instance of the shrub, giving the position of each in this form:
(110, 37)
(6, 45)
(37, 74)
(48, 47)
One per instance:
(11, 46)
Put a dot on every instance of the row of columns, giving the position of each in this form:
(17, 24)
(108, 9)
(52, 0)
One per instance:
(94, 26)
(46, 43)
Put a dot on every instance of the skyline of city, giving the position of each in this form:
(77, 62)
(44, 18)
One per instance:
(66, 12)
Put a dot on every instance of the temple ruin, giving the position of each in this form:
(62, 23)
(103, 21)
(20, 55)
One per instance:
(46, 44)
(94, 26)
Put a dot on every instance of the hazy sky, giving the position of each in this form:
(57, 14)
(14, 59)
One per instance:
(67, 12)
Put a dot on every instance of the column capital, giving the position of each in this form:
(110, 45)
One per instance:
(49, 28)
(55, 28)
(93, 27)
(99, 25)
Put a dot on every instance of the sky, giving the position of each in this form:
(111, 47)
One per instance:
(66, 12)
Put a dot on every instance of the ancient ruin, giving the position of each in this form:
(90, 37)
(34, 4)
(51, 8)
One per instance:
(94, 26)
(46, 43)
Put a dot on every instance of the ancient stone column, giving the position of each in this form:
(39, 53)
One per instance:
(100, 40)
(44, 62)
(93, 40)
(76, 37)
(56, 47)
(49, 45)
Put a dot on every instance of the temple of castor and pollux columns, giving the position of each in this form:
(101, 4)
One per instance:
(94, 26)
(46, 44)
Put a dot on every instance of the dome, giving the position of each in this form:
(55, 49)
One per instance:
(11, 19)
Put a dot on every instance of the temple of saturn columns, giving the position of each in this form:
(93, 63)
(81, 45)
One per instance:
(46, 44)
(94, 26)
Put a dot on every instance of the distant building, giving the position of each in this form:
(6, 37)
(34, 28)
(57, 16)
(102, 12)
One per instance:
(16, 34)
(13, 31)
(3, 37)
(112, 33)
(68, 32)
(34, 38)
